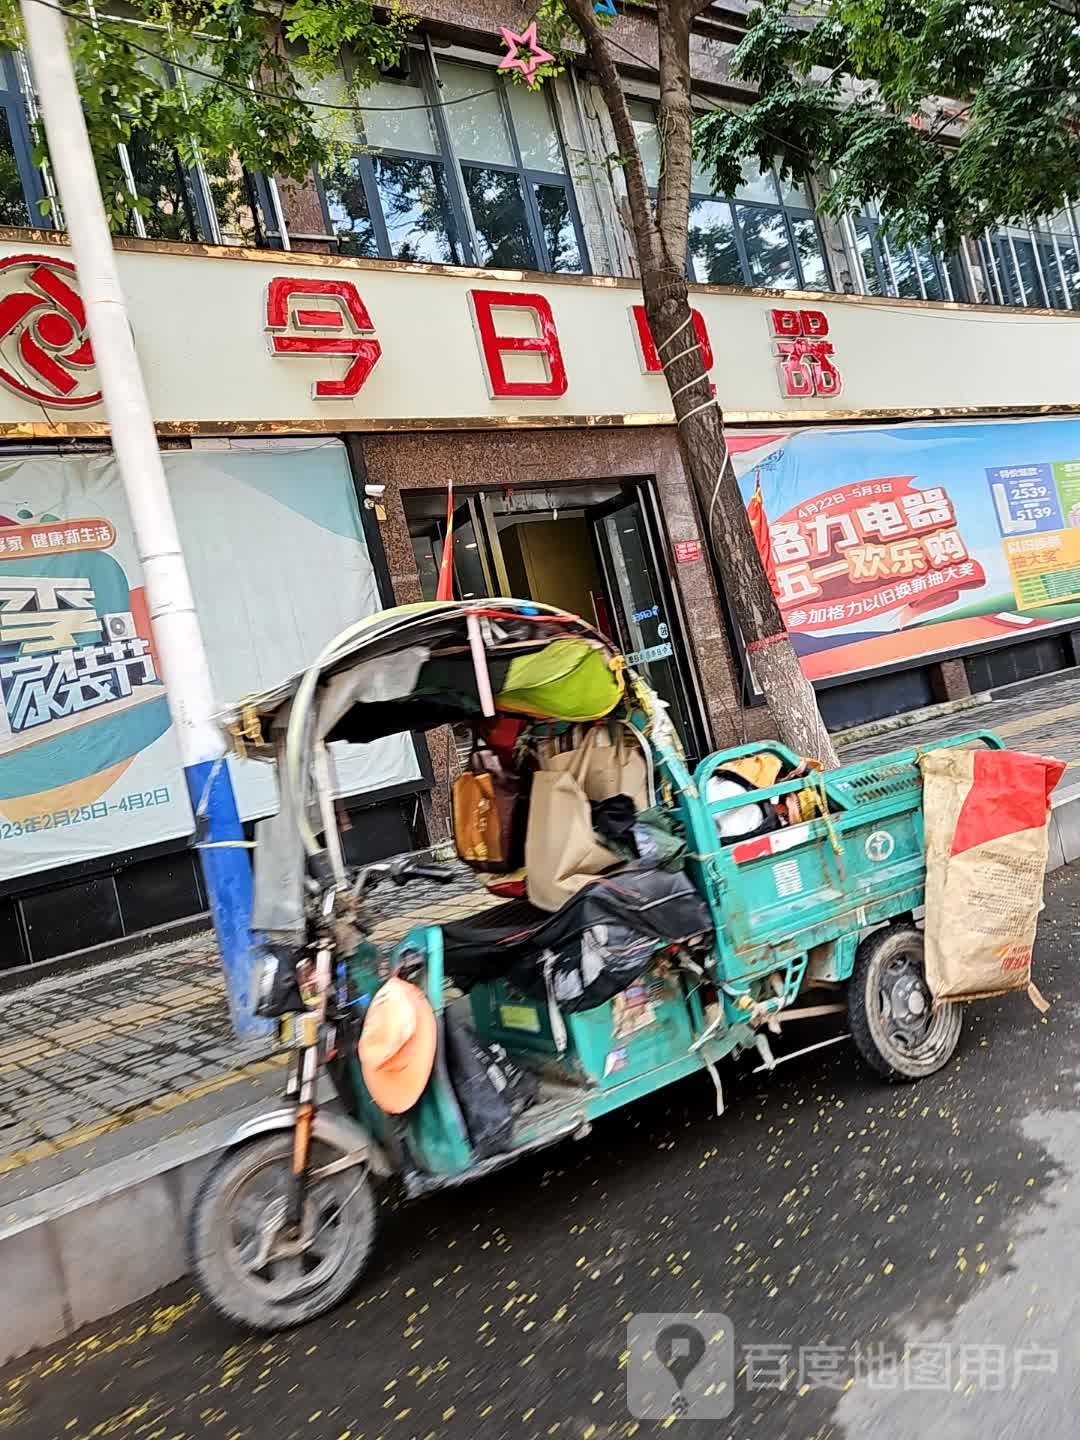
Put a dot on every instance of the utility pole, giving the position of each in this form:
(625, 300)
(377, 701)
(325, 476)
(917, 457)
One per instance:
(177, 636)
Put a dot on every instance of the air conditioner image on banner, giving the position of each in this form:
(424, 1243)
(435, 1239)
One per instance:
(120, 625)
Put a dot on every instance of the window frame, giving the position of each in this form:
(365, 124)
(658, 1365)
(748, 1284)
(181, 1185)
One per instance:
(778, 206)
(877, 231)
(784, 212)
(365, 159)
(13, 100)
(453, 164)
(1006, 284)
(531, 178)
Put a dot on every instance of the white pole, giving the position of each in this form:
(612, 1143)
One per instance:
(177, 636)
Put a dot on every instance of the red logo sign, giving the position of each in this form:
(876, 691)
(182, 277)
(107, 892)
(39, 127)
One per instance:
(807, 368)
(340, 328)
(45, 350)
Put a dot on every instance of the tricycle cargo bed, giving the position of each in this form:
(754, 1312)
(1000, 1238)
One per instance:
(804, 892)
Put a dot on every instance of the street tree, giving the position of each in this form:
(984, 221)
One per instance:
(951, 115)
(177, 81)
(660, 224)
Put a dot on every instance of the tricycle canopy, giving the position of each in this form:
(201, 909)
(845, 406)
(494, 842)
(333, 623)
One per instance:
(416, 667)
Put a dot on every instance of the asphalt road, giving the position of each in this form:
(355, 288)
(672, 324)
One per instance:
(910, 1254)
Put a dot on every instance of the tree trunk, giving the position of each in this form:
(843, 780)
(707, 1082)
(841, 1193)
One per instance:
(773, 662)
(661, 241)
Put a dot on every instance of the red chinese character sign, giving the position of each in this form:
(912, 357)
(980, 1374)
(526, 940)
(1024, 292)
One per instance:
(536, 367)
(805, 354)
(865, 551)
(323, 318)
(45, 352)
(649, 356)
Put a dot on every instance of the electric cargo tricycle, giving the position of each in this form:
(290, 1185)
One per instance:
(680, 955)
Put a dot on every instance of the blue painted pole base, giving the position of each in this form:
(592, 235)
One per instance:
(227, 878)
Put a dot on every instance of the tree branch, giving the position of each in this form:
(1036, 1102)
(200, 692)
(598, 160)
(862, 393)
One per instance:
(637, 187)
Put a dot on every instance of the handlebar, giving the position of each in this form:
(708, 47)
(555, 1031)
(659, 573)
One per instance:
(401, 872)
(440, 874)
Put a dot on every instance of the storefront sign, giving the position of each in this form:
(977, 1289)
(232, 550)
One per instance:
(496, 345)
(241, 339)
(806, 367)
(651, 364)
(975, 541)
(45, 351)
(322, 317)
(88, 764)
(686, 551)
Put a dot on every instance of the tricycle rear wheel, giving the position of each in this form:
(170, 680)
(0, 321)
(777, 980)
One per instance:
(894, 1024)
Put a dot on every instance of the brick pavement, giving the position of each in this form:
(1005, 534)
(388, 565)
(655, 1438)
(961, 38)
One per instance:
(87, 1052)
(1043, 717)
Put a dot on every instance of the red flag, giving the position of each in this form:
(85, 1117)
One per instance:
(444, 590)
(760, 525)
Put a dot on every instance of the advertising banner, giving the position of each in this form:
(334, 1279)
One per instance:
(892, 543)
(278, 564)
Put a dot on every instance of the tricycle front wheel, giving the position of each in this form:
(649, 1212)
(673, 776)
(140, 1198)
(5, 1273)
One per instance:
(891, 1012)
(245, 1261)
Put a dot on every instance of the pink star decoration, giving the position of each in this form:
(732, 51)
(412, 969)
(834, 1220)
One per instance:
(525, 41)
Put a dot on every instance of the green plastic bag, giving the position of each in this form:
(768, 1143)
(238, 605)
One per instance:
(567, 680)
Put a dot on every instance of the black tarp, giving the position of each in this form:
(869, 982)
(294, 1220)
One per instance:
(596, 945)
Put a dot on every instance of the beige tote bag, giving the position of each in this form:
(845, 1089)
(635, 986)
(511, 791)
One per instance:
(617, 767)
(562, 852)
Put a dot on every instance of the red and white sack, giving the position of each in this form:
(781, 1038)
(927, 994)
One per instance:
(986, 816)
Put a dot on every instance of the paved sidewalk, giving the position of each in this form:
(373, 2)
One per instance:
(1043, 717)
(86, 1052)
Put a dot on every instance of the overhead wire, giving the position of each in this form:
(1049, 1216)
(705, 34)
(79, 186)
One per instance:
(248, 90)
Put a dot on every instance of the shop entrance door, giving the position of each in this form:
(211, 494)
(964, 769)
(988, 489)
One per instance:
(643, 611)
(595, 550)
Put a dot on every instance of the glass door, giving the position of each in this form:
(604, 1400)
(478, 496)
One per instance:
(643, 613)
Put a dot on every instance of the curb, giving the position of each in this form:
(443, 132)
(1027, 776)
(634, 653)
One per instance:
(908, 718)
(86, 1248)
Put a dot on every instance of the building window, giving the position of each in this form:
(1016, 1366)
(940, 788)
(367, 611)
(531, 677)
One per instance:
(392, 197)
(478, 180)
(765, 235)
(1061, 262)
(160, 178)
(214, 201)
(21, 188)
(913, 272)
(1033, 265)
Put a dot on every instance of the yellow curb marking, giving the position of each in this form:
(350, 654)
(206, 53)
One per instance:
(1036, 721)
(160, 1105)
